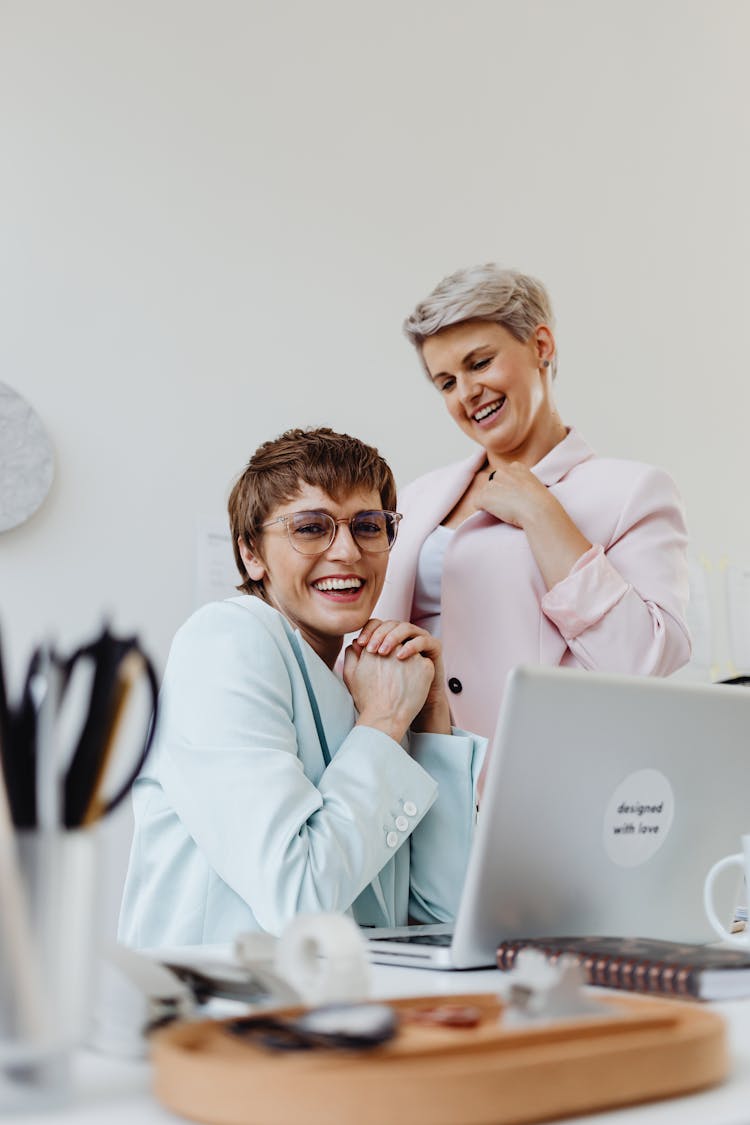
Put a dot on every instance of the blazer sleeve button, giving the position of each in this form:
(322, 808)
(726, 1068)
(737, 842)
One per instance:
(455, 685)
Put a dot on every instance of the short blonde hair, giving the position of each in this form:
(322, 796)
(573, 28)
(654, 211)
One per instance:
(514, 300)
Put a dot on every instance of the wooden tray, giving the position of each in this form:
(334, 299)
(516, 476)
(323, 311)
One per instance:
(636, 1050)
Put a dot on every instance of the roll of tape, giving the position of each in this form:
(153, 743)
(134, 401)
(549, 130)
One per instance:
(256, 949)
(324, 957)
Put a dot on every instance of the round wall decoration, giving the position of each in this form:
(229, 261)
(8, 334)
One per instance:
(27, 463)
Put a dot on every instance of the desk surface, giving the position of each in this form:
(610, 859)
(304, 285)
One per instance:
(110, 1091)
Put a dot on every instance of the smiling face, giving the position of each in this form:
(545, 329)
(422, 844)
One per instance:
(497, 388)
(328, 595)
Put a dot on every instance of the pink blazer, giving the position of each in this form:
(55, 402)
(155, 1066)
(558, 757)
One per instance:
(620, 609)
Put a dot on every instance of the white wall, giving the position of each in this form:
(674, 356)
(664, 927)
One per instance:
(215, 216)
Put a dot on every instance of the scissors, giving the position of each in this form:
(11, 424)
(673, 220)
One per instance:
(118, 664)
(48, 787)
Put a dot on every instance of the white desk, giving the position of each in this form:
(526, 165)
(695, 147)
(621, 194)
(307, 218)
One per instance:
(109, 1091)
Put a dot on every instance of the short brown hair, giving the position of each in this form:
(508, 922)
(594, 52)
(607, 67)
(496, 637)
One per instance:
(336, 463)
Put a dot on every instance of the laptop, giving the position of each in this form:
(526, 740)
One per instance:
(607, 800)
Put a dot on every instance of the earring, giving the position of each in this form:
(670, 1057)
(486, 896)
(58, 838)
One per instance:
(545, 363)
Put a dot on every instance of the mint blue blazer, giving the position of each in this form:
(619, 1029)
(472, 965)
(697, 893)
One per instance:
(249, 811)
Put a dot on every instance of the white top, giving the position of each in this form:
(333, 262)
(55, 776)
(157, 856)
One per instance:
(426, 610)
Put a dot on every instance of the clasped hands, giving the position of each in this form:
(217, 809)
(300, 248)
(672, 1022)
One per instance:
(394, 673)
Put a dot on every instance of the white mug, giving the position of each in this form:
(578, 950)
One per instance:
(742, 861)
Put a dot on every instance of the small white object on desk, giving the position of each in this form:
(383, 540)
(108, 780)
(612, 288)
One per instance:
(118, 1092)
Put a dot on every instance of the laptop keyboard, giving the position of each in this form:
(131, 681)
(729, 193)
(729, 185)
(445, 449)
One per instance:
(443, 940)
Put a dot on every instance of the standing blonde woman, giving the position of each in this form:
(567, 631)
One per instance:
(534, 549)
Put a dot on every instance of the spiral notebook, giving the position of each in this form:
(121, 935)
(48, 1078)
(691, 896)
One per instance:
(666, 968)
(607, 800)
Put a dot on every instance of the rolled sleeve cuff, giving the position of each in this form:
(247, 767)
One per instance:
(448, 756)
(591, 589)
(441, 843)
(369, 755)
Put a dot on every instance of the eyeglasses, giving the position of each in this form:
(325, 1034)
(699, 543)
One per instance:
(312, 533)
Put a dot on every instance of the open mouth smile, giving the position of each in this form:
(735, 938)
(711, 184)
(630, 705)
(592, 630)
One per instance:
(489, 410)
(340, 589)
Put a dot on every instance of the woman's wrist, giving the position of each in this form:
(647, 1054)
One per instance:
(394, 726)
(433, 719)
(556, 542)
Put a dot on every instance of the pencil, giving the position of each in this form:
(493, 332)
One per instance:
(128, 673)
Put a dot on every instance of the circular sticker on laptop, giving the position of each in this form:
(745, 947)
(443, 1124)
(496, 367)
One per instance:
(638, 818)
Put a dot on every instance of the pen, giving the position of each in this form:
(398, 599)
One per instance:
(17, 752)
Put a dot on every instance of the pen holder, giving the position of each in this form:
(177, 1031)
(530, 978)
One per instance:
(47, 951)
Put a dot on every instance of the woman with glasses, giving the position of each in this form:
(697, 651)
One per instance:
(274, 788)
(532, 550)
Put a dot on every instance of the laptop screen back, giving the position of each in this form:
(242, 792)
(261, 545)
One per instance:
(607, 800)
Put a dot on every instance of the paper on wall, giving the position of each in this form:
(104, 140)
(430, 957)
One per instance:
(216, 574)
